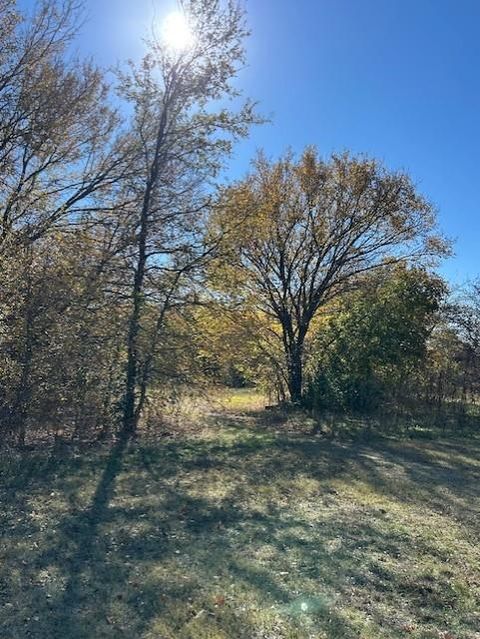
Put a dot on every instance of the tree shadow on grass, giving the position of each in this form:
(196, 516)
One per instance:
(84, 529)
(176, 534)
(402, 472)
(68, 551)
(161, 581)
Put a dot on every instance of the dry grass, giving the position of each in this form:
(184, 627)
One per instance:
(243, 529)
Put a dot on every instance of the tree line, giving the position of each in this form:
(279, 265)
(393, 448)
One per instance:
(130, 271)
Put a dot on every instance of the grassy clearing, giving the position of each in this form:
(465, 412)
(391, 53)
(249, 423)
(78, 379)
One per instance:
(245, 529)
(240, 400)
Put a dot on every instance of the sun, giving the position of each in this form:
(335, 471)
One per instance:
(176, 32)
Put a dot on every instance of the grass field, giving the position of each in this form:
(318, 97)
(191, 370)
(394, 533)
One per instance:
(242, 528)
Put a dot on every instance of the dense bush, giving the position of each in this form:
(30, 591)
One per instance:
(371, 348)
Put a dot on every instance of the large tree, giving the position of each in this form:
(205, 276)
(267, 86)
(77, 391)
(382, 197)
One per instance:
(181, 130)
(306, 231)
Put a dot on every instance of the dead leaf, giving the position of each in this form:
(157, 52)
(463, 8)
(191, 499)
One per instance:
(219, 600)
(408, 627)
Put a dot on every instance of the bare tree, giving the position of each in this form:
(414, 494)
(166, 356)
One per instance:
(55, 124)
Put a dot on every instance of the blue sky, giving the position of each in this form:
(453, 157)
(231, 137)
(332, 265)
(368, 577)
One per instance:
(396, 79)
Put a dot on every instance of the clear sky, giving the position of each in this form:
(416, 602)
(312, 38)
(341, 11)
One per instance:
(397, 79)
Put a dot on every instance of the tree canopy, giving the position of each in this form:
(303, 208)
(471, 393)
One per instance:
(302, 232)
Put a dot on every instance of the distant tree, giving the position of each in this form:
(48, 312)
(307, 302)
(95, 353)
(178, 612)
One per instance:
(463, 316)
(466, 315)
(306, 231)
(442, 377)
(237, 347)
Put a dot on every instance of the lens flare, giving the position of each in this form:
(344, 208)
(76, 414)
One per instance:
(176, 32)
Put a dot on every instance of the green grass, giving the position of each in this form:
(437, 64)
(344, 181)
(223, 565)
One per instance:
(240, 399)
(244, 529)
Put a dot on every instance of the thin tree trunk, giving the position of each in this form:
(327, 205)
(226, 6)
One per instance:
(295, 373)
(20, 408)
(24, 391)
(105, 417)
(130, 416)
(23, 399)
(130, 413)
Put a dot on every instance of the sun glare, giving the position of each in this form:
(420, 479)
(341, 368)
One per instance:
(176, 32)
